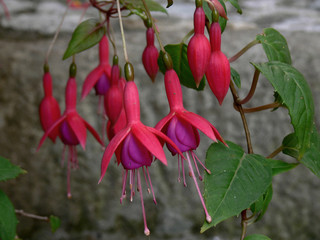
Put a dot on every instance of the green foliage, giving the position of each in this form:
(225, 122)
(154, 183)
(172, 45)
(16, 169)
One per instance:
(9, 170)
(260, 207)
(208, 12)
(295, 93)
(274, 45)
(235, 76)
(236, 5)
(86, 35)
(54, 223)
(236, 181)
(178, 53)
(8, 220)
(311, 157)
(256, 237)
(279, 166)
(137, 7)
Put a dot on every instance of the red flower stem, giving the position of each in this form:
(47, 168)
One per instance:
(252, 89)
(30, 215)
(275, 152)
(146, 229)
(243, 50)
(260, 108)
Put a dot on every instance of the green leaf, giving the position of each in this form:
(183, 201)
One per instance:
(296, 95)
(86, 35)
(274, 45)
(236, 181)
(208, 12)
(8, 220)
(178, 53)
(235, 76)
(279, 166)
(311, 157)
(54, 223)
(9, 170)
(236, 5)
(138, 5)
(257, 237)
(260, 207)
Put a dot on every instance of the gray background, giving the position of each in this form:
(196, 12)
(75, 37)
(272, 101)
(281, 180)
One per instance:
(94, 211)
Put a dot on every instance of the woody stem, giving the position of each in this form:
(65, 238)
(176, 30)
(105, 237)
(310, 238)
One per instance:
(253, 87)
(30, 215)
(243, 50)
(276, 152)
(260, 108)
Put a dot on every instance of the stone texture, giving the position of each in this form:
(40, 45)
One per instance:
(94, 211)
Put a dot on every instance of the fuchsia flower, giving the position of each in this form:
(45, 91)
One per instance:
(100, 76)
(150, 55)
(73, 128)
(199, 47)
(49, 109)
(218, 72)
(182, 126)
(135, 146)
(218, 6)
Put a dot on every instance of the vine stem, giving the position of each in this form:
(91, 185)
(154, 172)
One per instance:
(122, 33)
(56, 34)
(243, 50)
(253, 87)
(276, 152)
(260, 108)
(189, 34)
(153, 26)
(30, 215)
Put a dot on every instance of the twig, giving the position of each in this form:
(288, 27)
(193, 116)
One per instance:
(30, 215)
(243, 50)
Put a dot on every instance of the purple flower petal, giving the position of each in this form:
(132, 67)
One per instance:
(68, 137)
(102, 85)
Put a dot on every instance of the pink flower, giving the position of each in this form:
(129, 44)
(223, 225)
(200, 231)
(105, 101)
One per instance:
(135, 146)
(218, 72)
(182, 126)
(199, 47)
(73, 128)
(150, 55)
(100, 76)
(49, 109)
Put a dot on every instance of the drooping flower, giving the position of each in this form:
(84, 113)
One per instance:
(150, 55)
(72, 127)
(135, 146)
(100, 76)
(218, 6)
(49, 110)
(199, 47)
(182, 126)
(218, 72)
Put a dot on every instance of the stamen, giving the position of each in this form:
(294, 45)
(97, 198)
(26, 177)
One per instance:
(146, 229)
(63, 155)
(68, 178)
(195, 163)
(154, 198)
(124, 183)
(195, 156)
(208, 217)
(131, 184)
(145, 178)
(183, 173)
(179, 170)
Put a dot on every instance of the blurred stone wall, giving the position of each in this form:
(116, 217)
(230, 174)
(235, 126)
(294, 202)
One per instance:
(94, 211)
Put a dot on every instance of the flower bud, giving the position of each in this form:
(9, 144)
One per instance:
(150, 56)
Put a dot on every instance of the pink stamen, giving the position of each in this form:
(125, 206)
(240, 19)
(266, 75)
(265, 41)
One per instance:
(146, 229)
(208, 217)
(124, 181)
(68, 179)
(154, 198)
(132, 184)
(179, 170)
(195, 163)
(183, 173)
(145, 178)
(195, 156)
(63, 155)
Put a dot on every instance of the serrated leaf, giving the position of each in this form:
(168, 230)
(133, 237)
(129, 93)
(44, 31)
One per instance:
(178, 53)
(279, 166)
(235, 76)
(54, 223)
(8, 219)
(138, 5)
(257, 237)
(274, 45)
(260, 207)
(208, 12)
(86, 35)
(9, 170)
(236, 5)
(311, 157)
(296, 95)
(236, 181)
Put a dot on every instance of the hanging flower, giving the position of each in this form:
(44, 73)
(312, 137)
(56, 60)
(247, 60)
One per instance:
(182, 126)
(49, 110)
(73, 128)
(135, 146)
